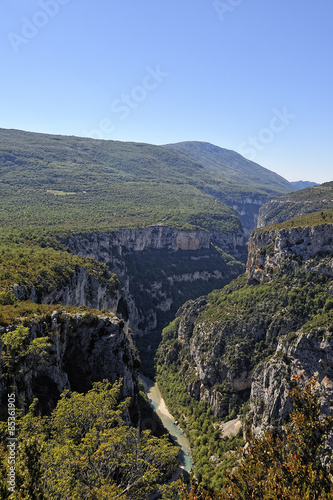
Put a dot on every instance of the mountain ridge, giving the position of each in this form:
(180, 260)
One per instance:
(115, 184)
(219, 156)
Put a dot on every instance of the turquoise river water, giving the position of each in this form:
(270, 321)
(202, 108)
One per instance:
(158, 404)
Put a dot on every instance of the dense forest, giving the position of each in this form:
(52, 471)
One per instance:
(86, 184)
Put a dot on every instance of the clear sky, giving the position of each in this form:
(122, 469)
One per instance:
(255, 76)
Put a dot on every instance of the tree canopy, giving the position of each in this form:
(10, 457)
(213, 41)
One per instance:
(86, 450)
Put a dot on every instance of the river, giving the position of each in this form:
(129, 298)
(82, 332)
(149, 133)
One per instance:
(158, 404)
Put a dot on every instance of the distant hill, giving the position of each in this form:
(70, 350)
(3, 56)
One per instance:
(295, 204)
(238, 182)
(230, 166)
(80, 183)
(304, 184)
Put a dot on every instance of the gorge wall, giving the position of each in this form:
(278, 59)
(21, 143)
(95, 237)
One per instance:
(82, 348)
(160, 267)
(82, 289)
(307, 352)
(85, 340)
(295, 204)
(247, 341)
(270, 247)
(247, 207)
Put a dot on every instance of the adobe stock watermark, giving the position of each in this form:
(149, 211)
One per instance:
(277, 124)
(222, 8)
(11, 460)
(31, 27)
(126, 103)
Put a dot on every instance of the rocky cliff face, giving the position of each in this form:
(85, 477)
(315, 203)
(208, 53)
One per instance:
(161, 267)
(247, 207)
(83, 348)
(83, 289)
(307, 352)
(251, 337)
(304, 354)
(108, 246)
(200, 351)
(268, 249)
(301, 202)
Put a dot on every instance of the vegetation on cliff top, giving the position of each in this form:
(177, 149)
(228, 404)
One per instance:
(72, 183)
(29, 265)
(305, 201)
(311, 219)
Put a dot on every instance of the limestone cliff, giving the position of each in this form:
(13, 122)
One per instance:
(270, 248)
(297, 203)
(308, 353)
(247, 206)
(252, 336)
(305, 352)
(154, 237)
(83, 288)
(76, 300)
(198, 346)
(83, 348)
(161, 267)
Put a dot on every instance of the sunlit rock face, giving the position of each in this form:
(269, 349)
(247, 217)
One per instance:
(161, 267)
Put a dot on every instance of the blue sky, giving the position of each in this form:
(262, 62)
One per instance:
(255, 76)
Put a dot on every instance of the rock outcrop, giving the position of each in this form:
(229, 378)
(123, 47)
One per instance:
(307, 356)
(204, 359)
(301, 202)
(82, 289)
(106, 246)
(251, 337)
(269, 248)
(83, 348)
(307, 352)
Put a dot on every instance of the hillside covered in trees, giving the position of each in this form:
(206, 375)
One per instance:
(91, 184)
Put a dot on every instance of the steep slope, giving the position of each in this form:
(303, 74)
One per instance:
(305, 352)
(238, 182)
(159, 268)
(54, 276)
(297, 203)
(66, 348)
(238, 348)
(86, 183)
(66, 342)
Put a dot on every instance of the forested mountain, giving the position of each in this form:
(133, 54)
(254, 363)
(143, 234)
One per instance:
(246, 175)
(240, 183)
(85, 183)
